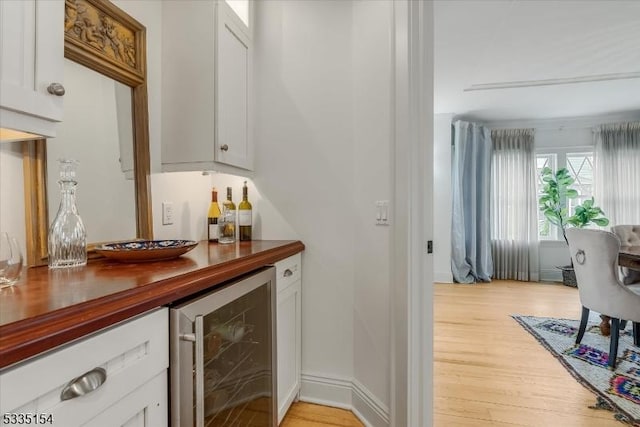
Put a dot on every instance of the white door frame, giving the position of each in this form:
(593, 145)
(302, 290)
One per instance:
(412, 269)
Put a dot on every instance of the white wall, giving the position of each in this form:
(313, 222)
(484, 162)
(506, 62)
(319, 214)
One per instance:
(305, 160)
(373, 154)
(190, 194)
(442, 198)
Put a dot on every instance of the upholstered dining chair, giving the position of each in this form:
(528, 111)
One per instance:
(629, 236)
(595, 260)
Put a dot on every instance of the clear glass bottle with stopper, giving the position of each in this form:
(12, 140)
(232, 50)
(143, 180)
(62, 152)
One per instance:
(67, 235)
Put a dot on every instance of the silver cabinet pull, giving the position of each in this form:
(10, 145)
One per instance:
(288, 273)
(56, 89)
(224, 147)
(84, 384)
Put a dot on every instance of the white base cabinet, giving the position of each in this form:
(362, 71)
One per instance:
(133, 355)
(30, 61)
(289, 331)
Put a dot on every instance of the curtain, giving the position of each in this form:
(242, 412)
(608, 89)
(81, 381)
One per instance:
(514, 210)
(470, 180)
(617, 167)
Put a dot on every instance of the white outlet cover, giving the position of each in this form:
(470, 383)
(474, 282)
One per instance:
(167, 213)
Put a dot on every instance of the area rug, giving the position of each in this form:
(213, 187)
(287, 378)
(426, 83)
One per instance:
(619, 390)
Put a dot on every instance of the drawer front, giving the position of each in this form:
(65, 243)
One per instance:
(288, 271)
(131, 353)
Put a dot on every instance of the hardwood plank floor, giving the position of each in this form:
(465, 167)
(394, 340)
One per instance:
(488, 371)
(307, 414)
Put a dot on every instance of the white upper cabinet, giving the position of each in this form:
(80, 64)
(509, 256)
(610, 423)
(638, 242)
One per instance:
(31, 67)
(206, 65)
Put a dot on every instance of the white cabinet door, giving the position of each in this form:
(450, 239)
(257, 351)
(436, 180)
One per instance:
(289, 331)
(206, 75)
(289, 347)
(31, 59)
(232, 142)
(147, 406)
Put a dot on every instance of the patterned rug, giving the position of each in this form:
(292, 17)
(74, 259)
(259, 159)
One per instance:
(619, 390)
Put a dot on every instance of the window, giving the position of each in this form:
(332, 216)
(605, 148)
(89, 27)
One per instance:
(580, 166)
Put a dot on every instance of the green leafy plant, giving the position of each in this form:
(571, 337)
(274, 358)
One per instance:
(553, 203)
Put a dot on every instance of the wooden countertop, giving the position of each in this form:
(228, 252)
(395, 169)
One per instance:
(629, 257)
(47, 308)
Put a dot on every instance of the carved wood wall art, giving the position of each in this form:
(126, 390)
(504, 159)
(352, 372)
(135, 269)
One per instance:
(99, 31)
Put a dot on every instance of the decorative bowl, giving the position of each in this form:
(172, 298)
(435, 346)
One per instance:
(145, 250)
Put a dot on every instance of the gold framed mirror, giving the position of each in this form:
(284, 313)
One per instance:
(101, 37)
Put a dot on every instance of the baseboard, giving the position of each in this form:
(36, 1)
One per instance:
(443, 276)
(345, 394)
(325, 390)
(551, 275)
(368, 408)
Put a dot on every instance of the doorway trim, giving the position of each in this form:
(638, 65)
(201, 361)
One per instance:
(412, 269)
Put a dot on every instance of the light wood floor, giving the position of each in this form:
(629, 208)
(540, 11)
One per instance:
(306, 414)
(488, 371)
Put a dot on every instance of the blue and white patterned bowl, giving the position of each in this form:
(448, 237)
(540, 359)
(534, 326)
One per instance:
(145, 250)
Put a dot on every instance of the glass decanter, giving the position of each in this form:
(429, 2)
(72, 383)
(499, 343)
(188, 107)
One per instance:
(67, 235)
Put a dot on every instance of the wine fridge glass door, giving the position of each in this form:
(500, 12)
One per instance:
(230, 355)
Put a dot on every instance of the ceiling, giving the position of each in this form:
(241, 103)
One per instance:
(486, 42)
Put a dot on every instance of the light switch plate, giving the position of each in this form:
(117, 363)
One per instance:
(382, 212)
(167, 213)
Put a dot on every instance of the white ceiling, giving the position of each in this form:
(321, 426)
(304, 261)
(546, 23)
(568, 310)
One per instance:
(483, 42)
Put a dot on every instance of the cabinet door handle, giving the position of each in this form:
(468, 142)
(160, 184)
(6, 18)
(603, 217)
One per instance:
(84, 384)
(224, 147)
(56, 89)
(288, 273)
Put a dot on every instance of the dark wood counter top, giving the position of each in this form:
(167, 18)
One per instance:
(47, 308)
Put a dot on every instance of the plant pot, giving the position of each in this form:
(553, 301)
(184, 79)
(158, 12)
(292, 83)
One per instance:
(568, 276)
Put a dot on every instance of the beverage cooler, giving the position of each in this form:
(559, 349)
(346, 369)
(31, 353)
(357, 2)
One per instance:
(223, 357)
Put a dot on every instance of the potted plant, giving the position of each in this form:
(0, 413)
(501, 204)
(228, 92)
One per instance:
(553, 202)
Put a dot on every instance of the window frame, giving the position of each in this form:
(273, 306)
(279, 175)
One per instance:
(560, 154)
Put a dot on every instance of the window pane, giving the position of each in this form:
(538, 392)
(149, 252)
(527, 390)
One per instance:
(545, 230)
(241, 8)
(580, 167)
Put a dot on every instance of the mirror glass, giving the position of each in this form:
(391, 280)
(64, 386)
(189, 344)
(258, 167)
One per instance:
(97, 131)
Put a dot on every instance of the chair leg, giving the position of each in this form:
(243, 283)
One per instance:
(583, 324)
(636, 334)
(623, 324)
(613, 346)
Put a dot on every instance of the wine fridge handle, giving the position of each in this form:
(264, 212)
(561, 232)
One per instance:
(199, 372)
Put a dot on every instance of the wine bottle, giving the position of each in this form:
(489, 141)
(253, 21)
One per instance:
(228, 223)
(213, 215)
(244, 215)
